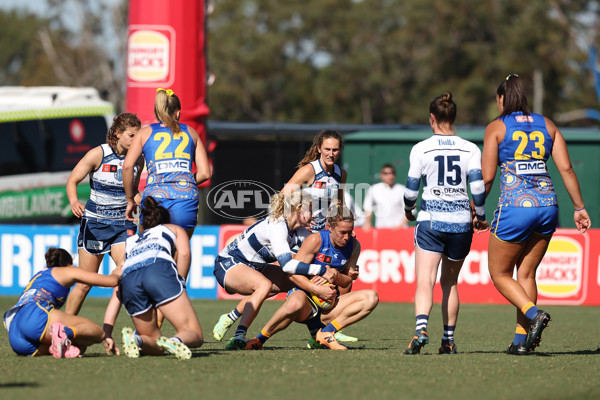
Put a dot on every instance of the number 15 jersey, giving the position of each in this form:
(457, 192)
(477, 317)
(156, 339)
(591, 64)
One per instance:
(445, 164)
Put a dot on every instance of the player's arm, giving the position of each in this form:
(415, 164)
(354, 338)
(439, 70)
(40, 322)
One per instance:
(350, 273)
(301, 264)
(182, 244)
(132, 157)
(203, 172)
(413, 182)
(489, 158)
(304, 176)
(560, 155)
(90, 162)
(68, 276)
(477, 187)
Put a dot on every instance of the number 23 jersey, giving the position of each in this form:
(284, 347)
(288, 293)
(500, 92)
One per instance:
(169, 159)
(522, 157)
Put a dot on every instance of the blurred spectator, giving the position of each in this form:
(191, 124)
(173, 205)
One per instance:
(386, 200)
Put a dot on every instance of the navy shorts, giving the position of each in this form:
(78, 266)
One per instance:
(455, 246)
(98, 238)
(150, 286)
(28, 327)
(516, 224)
(224, 264)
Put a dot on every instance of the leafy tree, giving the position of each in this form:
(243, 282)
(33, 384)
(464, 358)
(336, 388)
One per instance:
(382, 61)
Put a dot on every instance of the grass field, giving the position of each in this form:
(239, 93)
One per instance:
(566, 366)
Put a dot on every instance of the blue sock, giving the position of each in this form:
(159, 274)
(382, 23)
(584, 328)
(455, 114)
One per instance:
(530, 310)
(422, 321)
(520, 336)
(449, 332)
(241, 331)
(333, 326)
(69, 331)
(262, 337)
(314, 324)
(234, 315)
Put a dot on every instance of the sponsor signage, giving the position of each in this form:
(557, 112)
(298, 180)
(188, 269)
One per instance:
(22, 250)
(150, 55)
(568, 274)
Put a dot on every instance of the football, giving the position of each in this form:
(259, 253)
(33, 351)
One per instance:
(322, 304)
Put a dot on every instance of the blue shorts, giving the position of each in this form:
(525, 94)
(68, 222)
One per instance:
(97, 238)
(455, 246)
(223, 264)
(516, 224)
(28, 327)
(184, 212)
(150, 287)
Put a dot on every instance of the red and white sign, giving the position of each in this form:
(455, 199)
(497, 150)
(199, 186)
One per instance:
(567, 275)
(151, 55)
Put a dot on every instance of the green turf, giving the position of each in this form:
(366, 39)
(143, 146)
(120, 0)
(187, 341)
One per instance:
(565, 366)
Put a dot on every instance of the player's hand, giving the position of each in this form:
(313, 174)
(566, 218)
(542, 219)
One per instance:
(582, 221)
(110, 347)
(480, 226)
(409, 215)
(132, 208)
(327, 292)
(77, 209)
(353, 273)
(330, 274)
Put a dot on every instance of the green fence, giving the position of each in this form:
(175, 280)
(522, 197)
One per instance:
(365, 152)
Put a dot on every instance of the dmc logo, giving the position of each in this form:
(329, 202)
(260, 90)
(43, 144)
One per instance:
(173, 166)
(561, 271)
(240, 199)
(528, 167)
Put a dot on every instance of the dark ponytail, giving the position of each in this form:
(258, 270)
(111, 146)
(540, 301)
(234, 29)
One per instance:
(514, 96)
(443, 109)
(56, 257)
(153, 214)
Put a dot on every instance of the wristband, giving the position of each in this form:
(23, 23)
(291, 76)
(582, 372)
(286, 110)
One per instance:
(579, 209)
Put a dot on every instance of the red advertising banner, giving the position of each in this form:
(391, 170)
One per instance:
(166, 48)
(568, 274)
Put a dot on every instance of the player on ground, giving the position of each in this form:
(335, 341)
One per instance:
(151, 281)
(520, 142)
(245, 265)
(337, 248)
(319, 175)
(446, 164)
(35, 324)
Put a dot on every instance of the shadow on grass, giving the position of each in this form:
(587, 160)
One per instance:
(19, 385)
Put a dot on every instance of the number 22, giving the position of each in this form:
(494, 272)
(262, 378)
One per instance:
(166, 140)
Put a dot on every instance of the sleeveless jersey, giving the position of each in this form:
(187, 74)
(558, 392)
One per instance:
(522, 157)
(145, 248)
(324, 191)
(107, 203)
(445, 164)
(42, 288)
(329, 255)
(169, 159)
(264, 241)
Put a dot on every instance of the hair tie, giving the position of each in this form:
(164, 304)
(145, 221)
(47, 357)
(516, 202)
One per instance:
(168, 91)
(515, 75)
(579, 209)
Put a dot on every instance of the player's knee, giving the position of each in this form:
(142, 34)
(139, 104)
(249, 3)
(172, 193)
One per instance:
(371, 298)
(83, 288)
(292, 305)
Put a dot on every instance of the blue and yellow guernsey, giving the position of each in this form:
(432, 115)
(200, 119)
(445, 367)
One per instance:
(522, 157)
(43, 289)
(328, 254)
(169, 158)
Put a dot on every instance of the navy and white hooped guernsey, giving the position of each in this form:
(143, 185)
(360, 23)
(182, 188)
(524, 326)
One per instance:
(108, 202)
(145, 248)
(446, 164)
(324, 191)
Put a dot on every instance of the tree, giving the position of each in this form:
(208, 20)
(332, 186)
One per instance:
(382, 61)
